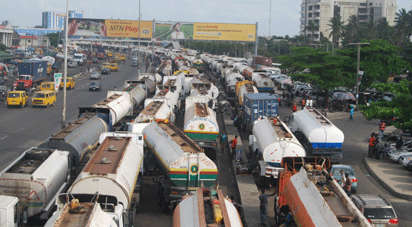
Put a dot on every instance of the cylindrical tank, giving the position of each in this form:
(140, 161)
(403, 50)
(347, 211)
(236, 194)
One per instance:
(200, 121)
(276, 144)
(198, 82)
(247, 73)
(318, 130)
(120, 105)
(156, 110)
(112, 170)
(36, 178)
(184, 161)
(78, 136)
(244, 88)
(137, 92)
(263, 82)
(233, 78)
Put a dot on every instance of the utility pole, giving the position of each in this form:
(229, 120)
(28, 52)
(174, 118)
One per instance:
(357, 71)
(270, 16)
(66, 30)
(138, 48)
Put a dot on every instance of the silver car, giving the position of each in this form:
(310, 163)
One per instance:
(94, 76)
(376, 209)
(71, 64)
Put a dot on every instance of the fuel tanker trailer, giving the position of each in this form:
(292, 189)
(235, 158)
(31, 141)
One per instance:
(273, 140)
(110, 176)
(200, 124)
(185, 165)
(156, 110)
(317, 134)
(231, 81)
(34, 179)
(247, 72)
(198, 84)
(244, 87)
(262, 81)
(207, 207)
(137, 91)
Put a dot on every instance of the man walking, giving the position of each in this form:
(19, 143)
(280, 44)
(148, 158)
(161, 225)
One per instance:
(382, 127)
(223, 138)
(372, 143)
(351, 113)
(342, 178)
(294, 108)
(233, 146)
(263, 198)
(347, 187)
(303, 103)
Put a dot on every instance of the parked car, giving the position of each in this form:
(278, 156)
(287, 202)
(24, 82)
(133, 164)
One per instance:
(3, 92)
(95, 86)
(376, 209)
(106, 71)
(335, 171)
(72, 64)
(1, 80)
(404, 159)
(409, 166)
(394, 155)
(94, 76)
(95, 60)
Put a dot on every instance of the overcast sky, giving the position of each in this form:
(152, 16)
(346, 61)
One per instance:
(285, 13)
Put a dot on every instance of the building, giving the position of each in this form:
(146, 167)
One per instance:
(34, 41)
(322, 11)
(53, 20)
(6, 33)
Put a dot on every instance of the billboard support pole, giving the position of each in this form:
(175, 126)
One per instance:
(66, 31)
(138, 48)
(256, 41)
(153, 33)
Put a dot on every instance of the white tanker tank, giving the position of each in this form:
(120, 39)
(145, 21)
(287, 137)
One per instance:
(199, 84)
(154, 77)
(156, 110)
(263, 82)
(35, 178)
(244, 87)
(319, 135)
(184, 163)
(274, 140)
(137, 92)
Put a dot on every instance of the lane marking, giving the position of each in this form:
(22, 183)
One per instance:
(20, 129)
(4, 138)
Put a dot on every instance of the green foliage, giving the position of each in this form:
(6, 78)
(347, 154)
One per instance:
(54, 39)
(2, 47)
(398, 111)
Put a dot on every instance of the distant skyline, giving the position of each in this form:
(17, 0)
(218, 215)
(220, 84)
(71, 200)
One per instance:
(285, 13)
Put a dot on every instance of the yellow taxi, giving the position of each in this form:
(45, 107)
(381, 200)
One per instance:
(17, 98)
(69, 83)
(117, 55)
(109, 54)
(114, 67)
(106, 65)
(123, 57)
(43, 98)
(47, 86)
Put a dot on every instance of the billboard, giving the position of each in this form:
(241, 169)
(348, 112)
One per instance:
(84, 27)
(226, 32)
(173, 30)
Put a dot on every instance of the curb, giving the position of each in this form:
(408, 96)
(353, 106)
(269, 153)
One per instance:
(384, 184)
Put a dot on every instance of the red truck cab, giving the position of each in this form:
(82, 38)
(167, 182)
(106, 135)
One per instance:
(25, 82)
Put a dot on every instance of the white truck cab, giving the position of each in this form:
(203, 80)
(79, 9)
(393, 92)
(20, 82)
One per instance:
(9, 215)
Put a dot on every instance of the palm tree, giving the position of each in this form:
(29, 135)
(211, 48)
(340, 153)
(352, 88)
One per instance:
(312, 27)
(384, 30)
(370, 29)
(336, 28)
(403, 26)
(352, 31)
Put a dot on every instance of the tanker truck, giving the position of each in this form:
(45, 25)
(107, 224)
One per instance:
(30, 185)
(317, 134)
(263, 82)
(110, 180)
(307, 191)
(273, 140)
(185, 165)
(230, 82)
(206, 207)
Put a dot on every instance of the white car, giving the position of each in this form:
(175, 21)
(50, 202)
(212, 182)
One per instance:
(394, 154)
(404, 159)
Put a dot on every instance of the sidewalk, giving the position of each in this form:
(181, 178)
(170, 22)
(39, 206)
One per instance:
(392, 176)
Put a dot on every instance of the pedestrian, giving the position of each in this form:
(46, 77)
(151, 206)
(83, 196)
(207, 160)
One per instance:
(223, 138)
(303, 103)
(351, 113)
(295, 107)
(263, 198)
(386, 150)
(310, 102)
(233, 145)
(342, 178)
(348, 185)
(371, 147)
(399, 143)
(280, 102)
(382, 127)
(115, 88)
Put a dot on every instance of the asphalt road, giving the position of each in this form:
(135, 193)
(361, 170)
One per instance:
(22, 128)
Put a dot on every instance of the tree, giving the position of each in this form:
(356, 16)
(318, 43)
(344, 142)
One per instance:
(55, 39)
(384, 30)
(403, 26)
(2, 47)
(378, 60)
(336, 29)
(352, 32)
(312, 27)
(395, 111)
(317, 67)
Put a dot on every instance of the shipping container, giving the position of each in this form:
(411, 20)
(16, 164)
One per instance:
(257, 106)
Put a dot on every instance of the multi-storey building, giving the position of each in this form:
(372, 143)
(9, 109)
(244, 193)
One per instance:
(322, 11)
(53, 20)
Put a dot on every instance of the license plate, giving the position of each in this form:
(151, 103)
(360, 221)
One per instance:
(379, 225)
(201, 143)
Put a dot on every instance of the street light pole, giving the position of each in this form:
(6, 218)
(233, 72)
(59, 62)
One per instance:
(138, 48)
(357, 70)
(65, 65)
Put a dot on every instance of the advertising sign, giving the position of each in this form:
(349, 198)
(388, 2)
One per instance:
(57, 80)
(173, 31)
(226, 32)
(84, 27)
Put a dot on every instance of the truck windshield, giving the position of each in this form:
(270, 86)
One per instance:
(77, 57)
(38, 95)
(379, 213)
(24, 77)
(14, 95)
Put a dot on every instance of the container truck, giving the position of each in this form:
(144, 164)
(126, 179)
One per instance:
(317, 134)
(207, 207)
(257, 106)
(110, 178)
(307, 191)
(184, 163)
(260, 60)
(31, 73)
(35, 179)
(272, 140)
(200, 124)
